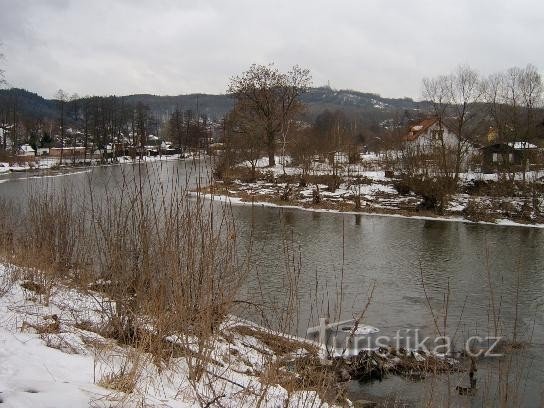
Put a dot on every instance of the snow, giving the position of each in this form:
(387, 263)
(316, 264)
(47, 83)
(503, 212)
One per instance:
(239, 201)
(26, 148)
(317, 168)
(47, 163)
(530, 176)
(378, 194)
(522, 145)
(66, 365)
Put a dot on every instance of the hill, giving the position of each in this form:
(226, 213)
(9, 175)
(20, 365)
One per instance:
(216, 106)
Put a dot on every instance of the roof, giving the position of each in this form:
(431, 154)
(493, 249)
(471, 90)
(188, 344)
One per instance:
(522, 145)
(419, 128)
(498, 147)
(26, 148)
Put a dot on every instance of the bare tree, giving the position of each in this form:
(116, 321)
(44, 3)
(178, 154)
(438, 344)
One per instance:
(466, 90)
(302, 150)
(494, 91)
(531, 91)
(436, 91)
(245, 138)
(61, 98)
(454, 98)
(142, 119)
(270, 98)
(176, 127)
(513, 99)
(86, 113)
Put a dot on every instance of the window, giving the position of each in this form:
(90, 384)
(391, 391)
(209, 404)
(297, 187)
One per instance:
(437, 134)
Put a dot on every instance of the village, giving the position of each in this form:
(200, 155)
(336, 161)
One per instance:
(495, 181)
(501, 182)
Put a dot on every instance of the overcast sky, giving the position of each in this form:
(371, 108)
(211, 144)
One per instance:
(178, 46)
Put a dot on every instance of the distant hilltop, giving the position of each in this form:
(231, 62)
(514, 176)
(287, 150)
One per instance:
(216, 106)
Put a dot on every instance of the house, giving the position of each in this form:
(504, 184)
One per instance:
(26, 150)
(42, 151)
(167, 148)
(430, 133)
(523, 145)
(499, 155)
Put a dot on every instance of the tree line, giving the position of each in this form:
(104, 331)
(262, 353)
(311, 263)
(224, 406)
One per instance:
(94, 122)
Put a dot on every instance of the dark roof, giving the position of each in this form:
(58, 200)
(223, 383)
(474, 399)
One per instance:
(499, 147)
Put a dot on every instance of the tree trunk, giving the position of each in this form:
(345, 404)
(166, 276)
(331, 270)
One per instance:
(271, 157)
(270, 140)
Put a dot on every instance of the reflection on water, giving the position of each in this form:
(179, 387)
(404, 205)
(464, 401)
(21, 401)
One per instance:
(347, 253)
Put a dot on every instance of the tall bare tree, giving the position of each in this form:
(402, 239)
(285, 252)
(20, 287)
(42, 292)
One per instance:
(455, 98)
(514, 98)
(531, 90)
(61, 98)
(176, 127)
(270, 99)
(436, 91)
(3, 108)
(466, 91)
(244, 138)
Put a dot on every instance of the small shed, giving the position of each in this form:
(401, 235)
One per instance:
(26, 150)
(42, 151)
(499, 155)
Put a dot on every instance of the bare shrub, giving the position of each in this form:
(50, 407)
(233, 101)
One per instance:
(435, 191)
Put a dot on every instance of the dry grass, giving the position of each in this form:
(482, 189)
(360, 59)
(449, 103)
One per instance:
(279, 345)
(125, 379)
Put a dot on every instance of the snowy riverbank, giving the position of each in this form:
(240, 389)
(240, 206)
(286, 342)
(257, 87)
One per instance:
(49, 163)
(234, 200)
(52, 354)
(366, 190)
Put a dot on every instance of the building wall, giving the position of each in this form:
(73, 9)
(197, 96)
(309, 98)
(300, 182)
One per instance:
(431, 139)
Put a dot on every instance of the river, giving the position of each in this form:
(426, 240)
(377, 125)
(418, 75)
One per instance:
(335, 259)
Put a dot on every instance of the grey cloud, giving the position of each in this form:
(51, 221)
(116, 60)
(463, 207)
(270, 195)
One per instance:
(179, 46)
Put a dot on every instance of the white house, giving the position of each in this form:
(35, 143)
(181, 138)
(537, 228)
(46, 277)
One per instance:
(430, 133)
(26, 150)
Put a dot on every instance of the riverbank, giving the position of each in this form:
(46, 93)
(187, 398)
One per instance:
(49, 163)
(236, 200)
(480, 198)
(54, 353)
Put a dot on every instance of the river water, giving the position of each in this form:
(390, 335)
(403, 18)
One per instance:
(488, 273)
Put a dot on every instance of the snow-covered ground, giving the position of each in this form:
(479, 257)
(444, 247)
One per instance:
(378, 194)
(262, 203)
(44, 163)
(284, 165)
(52, 355)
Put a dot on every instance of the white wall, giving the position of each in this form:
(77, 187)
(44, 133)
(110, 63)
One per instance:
(427, 140)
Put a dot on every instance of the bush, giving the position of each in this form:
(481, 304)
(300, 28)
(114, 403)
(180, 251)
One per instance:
(402, 187)
(434, 191)
(331, 181)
